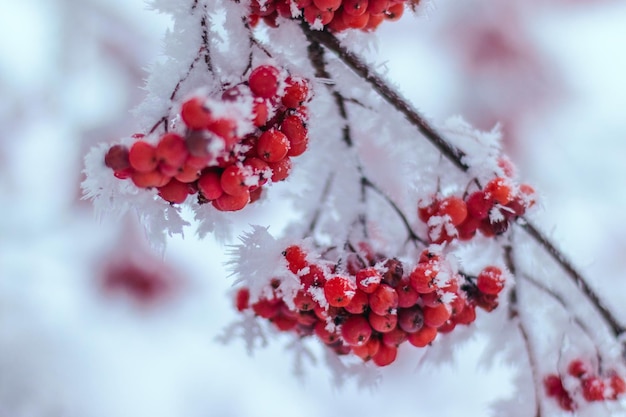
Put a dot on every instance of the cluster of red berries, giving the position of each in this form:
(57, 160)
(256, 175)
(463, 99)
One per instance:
(230, 147)
(336, 15)
(591, 386)
(489, 210)
(370, 306)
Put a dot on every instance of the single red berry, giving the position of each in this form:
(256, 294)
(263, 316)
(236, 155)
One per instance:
(359, 303)
(356, 330)
(394, 12)
(284, 323)
(395, 337)
(427, 209)
(296, 258)
(490, 280)
(499, 190)
(411, 319)
(261, 172)
(324, 334)
(172, 150)
(368, 279)
(374, 21)
(423, 336)
(187, 174)
(423, 277)
(579, 368)
(149, 179)
(377, 7)
(384, 300)
(407, 296)
(385, 355)
(553, 385)
(142, 157)
(272, 145)
(294, 129)
(394, 271)
(330, 5)
(315, 277)
(233, 181)
(174, 191)
(617, 385)
(116, 158)
(339, 291)
(382, 323)
(436, 316)
(209, 185)
(593, 388)
(354, 21)
(447, 327)
(260, 112)
(266, 308)
(242, 299)
(453, 207)
(355, 7)
(264, 81)
(304, 301)
(479, 204)
(226, 129)
(368, 350)
(280, 169)
(314, 16)
(227, 202)
(296, 92)
(467, 315)
(431, 299)
(195, 115)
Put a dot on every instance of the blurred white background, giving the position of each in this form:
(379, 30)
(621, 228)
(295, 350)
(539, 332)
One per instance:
(552, 72)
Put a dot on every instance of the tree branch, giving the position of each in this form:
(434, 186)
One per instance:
(453, 154)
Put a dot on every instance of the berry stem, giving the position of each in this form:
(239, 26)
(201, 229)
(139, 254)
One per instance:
(453, 154)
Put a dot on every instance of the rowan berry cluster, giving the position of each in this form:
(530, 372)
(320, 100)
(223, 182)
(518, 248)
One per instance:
(586, 385)
(367, 304)
(228, 147)
(336, 15)
(489, 210)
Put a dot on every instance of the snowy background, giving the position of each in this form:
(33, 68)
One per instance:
(70, 72)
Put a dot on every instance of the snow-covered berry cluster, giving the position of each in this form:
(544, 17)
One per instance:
(336, 15)
(489, 210)
(583, 384)
(228, 146)
(367, 304)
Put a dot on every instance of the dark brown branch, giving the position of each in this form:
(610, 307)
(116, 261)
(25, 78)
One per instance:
(453, 154)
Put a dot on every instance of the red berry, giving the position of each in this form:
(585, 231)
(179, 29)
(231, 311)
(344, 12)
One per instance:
(479, 204)
(142, 157)
(261, 172)
(356, 330)
(411, 319)
(260, 112)
(227, 202)
(423, 336)
(407, 296)
(294, 129)
(490, 280)
(355, 7)
(368, 279)
(385, 355)
(280, 169)
(393, 275)
(579, 368)
(116, 158)
(617, 384)
(394, 12)
(313, 15)
(233, 181)
(359, 303)
(427, 209)
(377, 7)
(339, 291)
(382, 323)
(194, 114)
(149, 179)
(272, 145)
(352, 21)
(263, 81)
(314, 278)
(174, 191)
(368, 350)
(395, 337)
(187, 174)
(296, 258)
(209, 185)
(324, 334)
(384, 300)
(593, 388)
(296, 92)
(242, 299)
(304, 301)
(172, 150)
(454, 208)
(423, 277)
(330, 5)
(436, 316)
(499, 190)
(553, 385)
(374, 21)
(284, 323)
(266, 308)
(467, 315)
